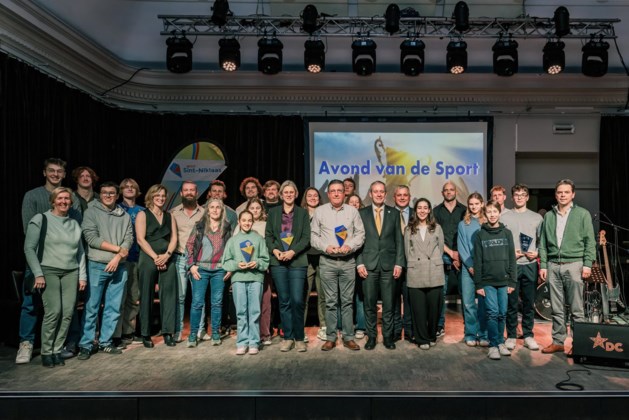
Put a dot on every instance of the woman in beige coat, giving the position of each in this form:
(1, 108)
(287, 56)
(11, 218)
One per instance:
(423, 244)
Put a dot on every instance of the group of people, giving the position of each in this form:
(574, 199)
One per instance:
(105, 245)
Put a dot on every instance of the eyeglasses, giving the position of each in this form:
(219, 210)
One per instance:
(108, 194)
(521, 195)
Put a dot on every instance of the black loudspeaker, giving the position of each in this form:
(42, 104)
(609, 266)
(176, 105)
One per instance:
(600, 343)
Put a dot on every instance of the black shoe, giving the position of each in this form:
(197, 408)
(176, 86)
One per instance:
(410, 339)
(169, 340)
(47, 361)
(58, 360)
(370, 344)
(84, 354)
(440, 332)
(148, 343)
(110, 349)
(397, 338)
(118, 343)
(126, 339)
(389, 345)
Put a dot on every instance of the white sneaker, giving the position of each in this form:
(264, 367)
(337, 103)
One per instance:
(287, 345)
(424, 346)
(306, 340)
(201, 334)
(322, 334)
(360, 334)
(267, 342)
(494, 353)
(240, 351)
(253, 351)
(504, 351)
(24, 353)
(471, 343)
(531, 344)
(510, 343)
(483, 343)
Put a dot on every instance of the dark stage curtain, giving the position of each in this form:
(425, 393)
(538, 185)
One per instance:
(614, 176)
(42, 117)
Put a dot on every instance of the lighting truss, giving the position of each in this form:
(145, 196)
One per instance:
(435, 27)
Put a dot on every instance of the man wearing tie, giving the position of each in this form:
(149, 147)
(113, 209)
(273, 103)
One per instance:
(380, 262)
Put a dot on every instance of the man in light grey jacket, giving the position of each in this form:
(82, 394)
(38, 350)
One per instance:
(108, 231)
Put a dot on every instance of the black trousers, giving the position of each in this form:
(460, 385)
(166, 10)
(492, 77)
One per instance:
(426, 303)
(168, 294)
(526, 287)
(379, 281)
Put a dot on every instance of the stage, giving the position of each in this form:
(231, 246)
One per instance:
(447, 381)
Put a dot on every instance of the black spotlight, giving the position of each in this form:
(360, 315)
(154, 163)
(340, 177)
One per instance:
(461, 16)
(314, 56)
(309, 18)
(179, 54)
(505, 57)
(364, 57)
(594, 61)
(561, 18)
(220, 11)
(392, 18)
(456, 58)
(412, 57)
(270, 55)
(554, 59)
(229, 54)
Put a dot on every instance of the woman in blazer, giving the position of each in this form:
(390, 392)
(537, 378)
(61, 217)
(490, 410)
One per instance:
(288, 239)
(423, 244)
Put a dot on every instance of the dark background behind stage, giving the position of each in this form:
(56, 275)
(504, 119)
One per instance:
(41, 117)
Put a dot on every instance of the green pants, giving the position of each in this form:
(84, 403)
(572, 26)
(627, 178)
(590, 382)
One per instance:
(59, 298)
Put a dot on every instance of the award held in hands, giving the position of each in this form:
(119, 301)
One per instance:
(287, 239)
(341, 234)
(246, 248)
(525, 242)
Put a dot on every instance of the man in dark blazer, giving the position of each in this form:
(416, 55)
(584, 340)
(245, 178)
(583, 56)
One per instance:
(380, 263)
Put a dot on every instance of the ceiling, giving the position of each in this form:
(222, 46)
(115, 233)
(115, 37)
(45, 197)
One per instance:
(97, 45)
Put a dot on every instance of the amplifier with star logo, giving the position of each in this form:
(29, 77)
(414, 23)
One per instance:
(600, 341)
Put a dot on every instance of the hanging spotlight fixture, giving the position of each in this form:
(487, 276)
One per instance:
(595, 61)
(364, 56)
(561, 18)
(554, 59)
(456, 58)
(412, 57)
(270, 55)
(309, 17)
(392, 19)
(220, 12)
(229, 54)
(461, 16)
(179, 54)
(505, 57)
(314, 56)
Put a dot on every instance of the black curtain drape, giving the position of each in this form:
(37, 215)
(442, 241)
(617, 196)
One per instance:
(614, 177)
(41, 117)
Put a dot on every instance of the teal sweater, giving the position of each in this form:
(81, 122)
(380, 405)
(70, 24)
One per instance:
(494, 257)
(233, 255)
(578, 243)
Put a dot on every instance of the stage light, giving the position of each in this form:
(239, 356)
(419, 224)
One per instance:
(229, 54)
(314, 56)
(364, 56)
(412, 57)
(179, 54)
(220, 11)
(594, 62)
(554, 59)
(270, 55)
(392, 18)
(505, 57)
(561, 18)
(456, 58)
(461, 16)
(309, 17)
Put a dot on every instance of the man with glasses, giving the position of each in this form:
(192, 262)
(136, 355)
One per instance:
(526, 226)
(108, 231)
(338, 232)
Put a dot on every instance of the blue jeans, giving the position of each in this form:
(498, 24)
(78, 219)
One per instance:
(213, 278)
(289, 283)
(182, 277)
(30, 308)
(359, 306)
(496, 299)
(247, 300)
(473, 314)
(113, 286)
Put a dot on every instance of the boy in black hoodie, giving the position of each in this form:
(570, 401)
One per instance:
(494, 275)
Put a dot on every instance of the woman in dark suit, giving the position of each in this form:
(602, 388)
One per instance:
(288, 239)
(423, 244)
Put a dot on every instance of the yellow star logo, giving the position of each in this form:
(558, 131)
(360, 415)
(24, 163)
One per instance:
(598, 341)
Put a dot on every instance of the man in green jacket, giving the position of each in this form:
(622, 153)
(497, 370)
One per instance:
(567, 250)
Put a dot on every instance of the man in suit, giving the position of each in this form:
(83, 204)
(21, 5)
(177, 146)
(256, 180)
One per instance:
(380, 263)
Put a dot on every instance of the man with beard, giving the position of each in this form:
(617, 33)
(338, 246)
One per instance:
(217, 190)
(448, 214)
(271, 191)
(187, 214)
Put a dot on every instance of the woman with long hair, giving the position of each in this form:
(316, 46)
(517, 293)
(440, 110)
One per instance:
(205, 249)
(423, 244)
(474, 315)
(156, 233)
